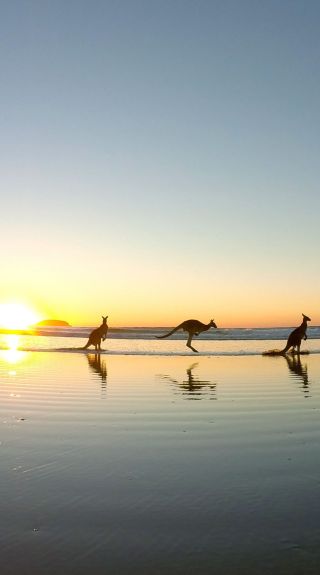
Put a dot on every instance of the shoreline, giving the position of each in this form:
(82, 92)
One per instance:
(105, 352)
(152, 346)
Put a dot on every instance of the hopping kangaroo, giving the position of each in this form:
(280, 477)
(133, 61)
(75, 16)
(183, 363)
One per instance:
(193, 327)
(296, 336)
(98, 334)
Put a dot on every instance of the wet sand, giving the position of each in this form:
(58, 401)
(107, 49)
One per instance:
(147, 465)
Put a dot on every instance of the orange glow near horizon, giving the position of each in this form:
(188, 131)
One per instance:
(239, 313)
(119, 317)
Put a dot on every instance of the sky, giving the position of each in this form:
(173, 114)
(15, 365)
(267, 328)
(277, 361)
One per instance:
(159, 160)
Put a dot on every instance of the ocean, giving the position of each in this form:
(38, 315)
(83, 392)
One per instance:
(143, 340)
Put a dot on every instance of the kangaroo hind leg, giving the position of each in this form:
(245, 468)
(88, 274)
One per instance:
(188, 344)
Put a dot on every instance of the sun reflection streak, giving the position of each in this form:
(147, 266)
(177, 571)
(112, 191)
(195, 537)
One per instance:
(12, 354)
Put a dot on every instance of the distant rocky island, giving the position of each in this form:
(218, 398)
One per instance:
(52, 322)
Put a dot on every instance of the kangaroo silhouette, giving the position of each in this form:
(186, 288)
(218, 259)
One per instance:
(98, 334)
(296, 336)
(193, 327)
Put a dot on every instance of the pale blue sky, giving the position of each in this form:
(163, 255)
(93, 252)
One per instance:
(148, 141)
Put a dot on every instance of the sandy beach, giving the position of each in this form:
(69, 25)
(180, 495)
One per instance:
(149, 464)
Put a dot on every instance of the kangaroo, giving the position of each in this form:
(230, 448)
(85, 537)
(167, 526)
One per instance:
(193, 327)
(296, 336)
(98, 334)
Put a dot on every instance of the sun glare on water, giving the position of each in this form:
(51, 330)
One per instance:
(16, 316)
(12, 354)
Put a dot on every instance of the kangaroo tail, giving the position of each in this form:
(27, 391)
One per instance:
(274, 352)
(285, 349)
(170, 332)
(87, 345)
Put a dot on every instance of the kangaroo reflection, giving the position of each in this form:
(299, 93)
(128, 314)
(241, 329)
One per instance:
(98, 365)
(299, 371)
(193, 387)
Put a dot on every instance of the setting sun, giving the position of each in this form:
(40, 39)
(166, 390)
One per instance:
(17, 316)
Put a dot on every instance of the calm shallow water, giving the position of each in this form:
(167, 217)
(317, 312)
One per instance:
(159, 464)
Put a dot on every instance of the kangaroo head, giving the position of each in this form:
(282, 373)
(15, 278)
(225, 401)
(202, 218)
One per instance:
(104, 319)
(212, 324)
(306, 318)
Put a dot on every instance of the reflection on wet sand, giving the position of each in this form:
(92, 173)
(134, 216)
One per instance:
(299, 371)
(193, 387)
(98, 365)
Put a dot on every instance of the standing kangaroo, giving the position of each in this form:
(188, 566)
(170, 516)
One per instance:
(296, 336)
(98, 334)
(193, 327)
